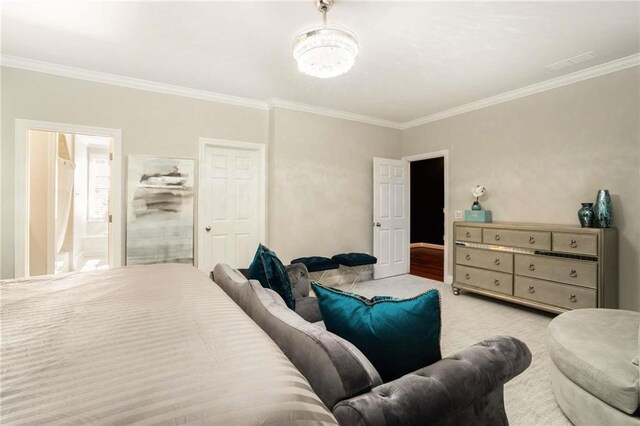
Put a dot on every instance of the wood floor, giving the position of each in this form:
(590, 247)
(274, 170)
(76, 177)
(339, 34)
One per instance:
(427, 263)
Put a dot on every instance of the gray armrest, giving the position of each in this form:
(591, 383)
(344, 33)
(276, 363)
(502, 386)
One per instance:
(299, 278)
(461, 389)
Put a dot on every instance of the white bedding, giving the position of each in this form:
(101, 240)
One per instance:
(157, 344)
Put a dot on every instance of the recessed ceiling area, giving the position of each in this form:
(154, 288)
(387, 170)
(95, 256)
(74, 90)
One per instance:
(416, 58)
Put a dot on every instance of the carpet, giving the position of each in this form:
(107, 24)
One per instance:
(468, 319)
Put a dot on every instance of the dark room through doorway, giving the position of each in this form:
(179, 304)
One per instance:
(427, 218)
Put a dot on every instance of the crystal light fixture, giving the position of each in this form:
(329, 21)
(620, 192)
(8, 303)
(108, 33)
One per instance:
(325, 51)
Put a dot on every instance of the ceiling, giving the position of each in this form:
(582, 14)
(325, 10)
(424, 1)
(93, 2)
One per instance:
(416, 58)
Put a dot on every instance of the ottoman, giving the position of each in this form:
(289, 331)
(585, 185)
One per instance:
(357, 262)
(317, 264)
(595, 373)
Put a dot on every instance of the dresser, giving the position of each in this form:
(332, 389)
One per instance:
(555, 268)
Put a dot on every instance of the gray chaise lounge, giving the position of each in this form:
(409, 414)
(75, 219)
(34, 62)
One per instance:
(466, 388)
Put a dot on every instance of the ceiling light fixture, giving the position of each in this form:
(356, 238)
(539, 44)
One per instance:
(325, 52)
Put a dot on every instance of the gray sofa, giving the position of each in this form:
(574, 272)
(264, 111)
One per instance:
(595, 375)
(466, 388)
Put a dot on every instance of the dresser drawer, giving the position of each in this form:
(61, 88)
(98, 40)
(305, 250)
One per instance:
(467, 233)
(562, 295)
(575, 243)
(568, 271)
(489, 280)
(540, 240)
(487, 259)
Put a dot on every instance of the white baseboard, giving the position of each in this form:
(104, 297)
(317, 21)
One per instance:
(427, 245)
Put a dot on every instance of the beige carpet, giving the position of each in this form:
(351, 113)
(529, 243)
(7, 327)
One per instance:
(468, 319)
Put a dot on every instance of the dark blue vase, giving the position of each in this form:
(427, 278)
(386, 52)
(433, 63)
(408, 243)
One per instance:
(603, 210)
(586, 215)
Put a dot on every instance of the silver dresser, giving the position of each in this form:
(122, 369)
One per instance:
(555, 268)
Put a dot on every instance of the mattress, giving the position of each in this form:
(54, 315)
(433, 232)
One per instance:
(157, 344)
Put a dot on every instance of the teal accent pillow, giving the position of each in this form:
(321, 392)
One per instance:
(269, 270)
(397, 335)
(258, 270)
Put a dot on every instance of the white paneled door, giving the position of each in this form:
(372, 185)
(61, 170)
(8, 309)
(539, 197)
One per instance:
(230, 206)
(390, 217)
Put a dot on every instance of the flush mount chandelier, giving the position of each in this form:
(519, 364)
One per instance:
(325, 51)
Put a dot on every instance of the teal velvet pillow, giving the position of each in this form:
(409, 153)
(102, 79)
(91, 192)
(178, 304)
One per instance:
(267, 268)
(258, 270)
(398, 336)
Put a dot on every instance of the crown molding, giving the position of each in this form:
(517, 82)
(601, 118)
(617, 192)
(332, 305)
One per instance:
(575, 77)
(333, 113)
(132, 83)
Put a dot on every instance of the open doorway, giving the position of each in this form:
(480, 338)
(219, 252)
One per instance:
(68, 202)
(427, 216)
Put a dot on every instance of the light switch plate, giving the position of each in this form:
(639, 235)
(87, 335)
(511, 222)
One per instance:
(458, 214)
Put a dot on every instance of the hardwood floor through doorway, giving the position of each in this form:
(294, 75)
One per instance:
(427, 263)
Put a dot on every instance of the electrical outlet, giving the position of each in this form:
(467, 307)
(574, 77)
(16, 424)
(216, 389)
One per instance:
(458, 214)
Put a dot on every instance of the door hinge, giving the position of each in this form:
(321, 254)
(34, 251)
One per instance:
(110, 218)
(111, 156)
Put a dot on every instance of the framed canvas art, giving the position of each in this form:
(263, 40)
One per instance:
(159, 210)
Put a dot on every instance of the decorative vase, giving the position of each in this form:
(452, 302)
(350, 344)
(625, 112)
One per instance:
(586, 215)
(603, 210)
(476, 206)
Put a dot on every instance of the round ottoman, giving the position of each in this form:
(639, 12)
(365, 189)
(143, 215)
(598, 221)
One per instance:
(595, 365)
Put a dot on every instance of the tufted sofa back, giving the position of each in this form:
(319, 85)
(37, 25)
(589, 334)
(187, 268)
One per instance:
(335, 368)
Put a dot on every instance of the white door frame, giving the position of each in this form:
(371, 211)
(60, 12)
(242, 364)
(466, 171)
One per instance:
(448, 279)
(261, 149)
(21, 240)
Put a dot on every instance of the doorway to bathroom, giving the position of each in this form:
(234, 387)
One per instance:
(69, 201)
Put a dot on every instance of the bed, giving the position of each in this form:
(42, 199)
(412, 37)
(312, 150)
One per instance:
(158, 344)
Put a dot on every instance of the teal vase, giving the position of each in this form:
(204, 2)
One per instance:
(586, 215)
(603, 211)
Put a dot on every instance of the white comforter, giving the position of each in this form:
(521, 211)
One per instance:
(145, 345)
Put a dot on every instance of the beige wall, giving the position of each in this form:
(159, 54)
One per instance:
(151, 124)
(320, 183)
(330, 159)
(540, 156)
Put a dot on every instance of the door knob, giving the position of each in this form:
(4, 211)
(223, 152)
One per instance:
(208, 228)
(377, 224)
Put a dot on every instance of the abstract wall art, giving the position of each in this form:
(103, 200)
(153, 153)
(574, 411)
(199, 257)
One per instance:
(159, 210)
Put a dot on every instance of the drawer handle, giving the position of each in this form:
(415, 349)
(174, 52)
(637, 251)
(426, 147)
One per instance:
(496, 262)
(531, 289)
(468, 257)
(573, 298)
(532, 240)
(468, 234)
(496, 282)
(573, 243)
(497, 237)
(467, 276)
(573, 273)
(532, 267)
